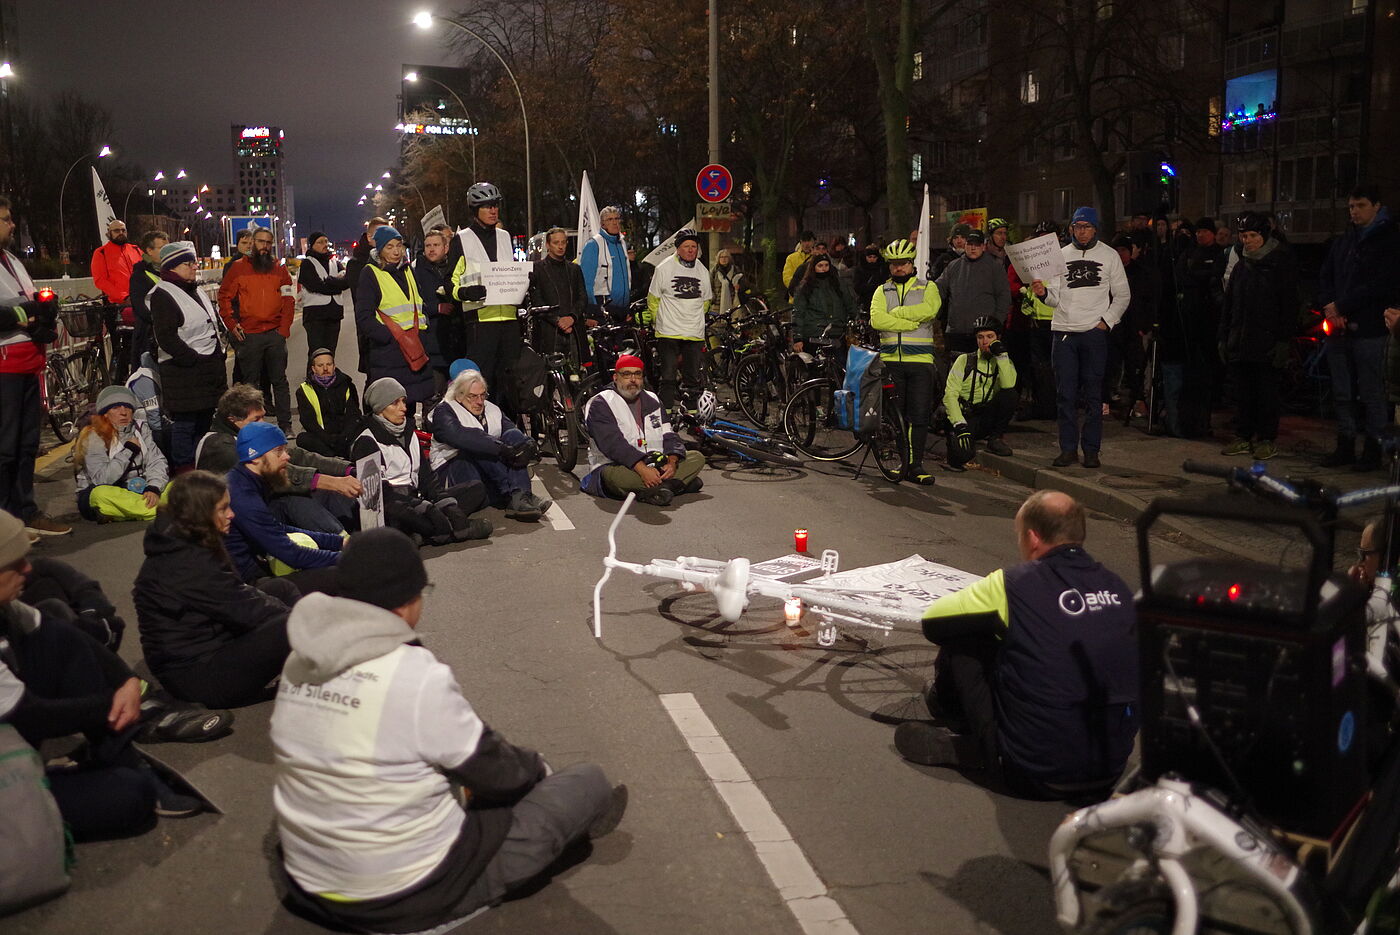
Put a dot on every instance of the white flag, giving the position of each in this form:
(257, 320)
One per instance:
(922, 248)
(667, 246)
(105, 214)
(588, 222)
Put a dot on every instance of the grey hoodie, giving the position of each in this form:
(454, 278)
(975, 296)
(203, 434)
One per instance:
(971, 289)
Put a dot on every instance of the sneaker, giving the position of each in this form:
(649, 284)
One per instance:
(998, 446)
(1263, 451)
(694, 485)
(919, 475)
(611, 816)
(168, 721)
(1065, 459)
(925, 744)
(476, 528)
(656, 496)
(1239, 446)
(172, 804)
(539, 503)
(1091, 459)
(522, 507)
(46, 525)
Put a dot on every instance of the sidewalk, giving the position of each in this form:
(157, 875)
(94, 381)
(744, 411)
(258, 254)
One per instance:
(1138, 468)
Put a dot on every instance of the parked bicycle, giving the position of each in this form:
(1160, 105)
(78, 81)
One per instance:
(812, 423)
(695, 414)
(555, 424)
(76, 370)
(767, 373)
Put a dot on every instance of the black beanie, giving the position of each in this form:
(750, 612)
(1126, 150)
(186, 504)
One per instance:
(381, 567)
(315, 236)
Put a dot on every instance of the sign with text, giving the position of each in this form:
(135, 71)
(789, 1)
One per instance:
(371, 491)
(1037, 258)
(434, 218)
(506, 283)
(714, 183)
(717, 217)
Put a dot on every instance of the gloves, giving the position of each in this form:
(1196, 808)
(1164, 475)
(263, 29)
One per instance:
(133, 446)
(518, 455)
(442, 291)
(997, 349)
(472, 293)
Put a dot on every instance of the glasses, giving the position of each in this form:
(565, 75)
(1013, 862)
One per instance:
(476, 396)
(1081, 226)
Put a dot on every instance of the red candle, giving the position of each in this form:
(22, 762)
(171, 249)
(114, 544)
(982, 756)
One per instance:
(799, 540)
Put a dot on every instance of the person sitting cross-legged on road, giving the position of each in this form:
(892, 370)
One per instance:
(474, 441)
(632, 447)
(980, 397)
(414, 501)
(329, 407)
(398, 808)
(120, 469)
(1039, 664)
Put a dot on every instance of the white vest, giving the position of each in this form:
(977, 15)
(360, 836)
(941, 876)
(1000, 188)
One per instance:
(649, 437)
(199, 327)
(311, 299)
(602, 278)
(398, 467)
(19, 286)
(440, 453)
(474, 251)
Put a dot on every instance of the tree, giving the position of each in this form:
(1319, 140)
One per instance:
(892, 47)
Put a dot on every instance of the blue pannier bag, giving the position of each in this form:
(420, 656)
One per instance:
(857, 402)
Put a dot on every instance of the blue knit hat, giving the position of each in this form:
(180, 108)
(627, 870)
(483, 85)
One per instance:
(1087, 215)
(258, 438)
(382, 235)
(460, 364)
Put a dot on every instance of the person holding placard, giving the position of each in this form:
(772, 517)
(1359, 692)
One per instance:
(496, 342)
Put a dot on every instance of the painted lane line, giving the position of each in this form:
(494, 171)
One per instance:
(803, 892)
(555, 514)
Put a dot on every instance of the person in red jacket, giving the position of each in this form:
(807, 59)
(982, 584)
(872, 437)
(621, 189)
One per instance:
(111, 272)
(256, 302)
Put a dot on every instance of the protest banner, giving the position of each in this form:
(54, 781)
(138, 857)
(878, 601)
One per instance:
(1037, 258)
(506, 283)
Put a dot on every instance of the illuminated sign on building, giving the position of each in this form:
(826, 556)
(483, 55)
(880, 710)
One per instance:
(435, 129)
(255, 132)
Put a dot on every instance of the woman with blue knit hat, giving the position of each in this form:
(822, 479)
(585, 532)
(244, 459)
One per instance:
(121, 473)
(189, 350)
(392, 322)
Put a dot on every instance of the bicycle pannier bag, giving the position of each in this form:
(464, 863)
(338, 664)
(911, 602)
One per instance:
(857, 402)
(526, 380)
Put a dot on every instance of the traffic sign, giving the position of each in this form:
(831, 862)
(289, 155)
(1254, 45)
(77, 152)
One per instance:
(714, 183)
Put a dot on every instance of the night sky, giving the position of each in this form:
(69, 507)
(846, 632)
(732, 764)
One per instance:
(169, 72)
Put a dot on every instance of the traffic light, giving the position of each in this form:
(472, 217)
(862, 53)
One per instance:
(1167, 180)
(1152, 182)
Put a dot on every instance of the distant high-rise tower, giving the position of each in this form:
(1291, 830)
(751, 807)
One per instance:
(260, 166)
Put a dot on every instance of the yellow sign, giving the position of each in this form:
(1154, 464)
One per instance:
(972, 217)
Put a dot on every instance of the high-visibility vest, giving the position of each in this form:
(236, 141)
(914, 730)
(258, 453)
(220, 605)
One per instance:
(314, 401)
(915, 346)
(199, 325)
(476, 253)
(406, 311)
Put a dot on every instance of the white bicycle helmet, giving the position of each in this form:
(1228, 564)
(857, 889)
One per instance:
(705, 407)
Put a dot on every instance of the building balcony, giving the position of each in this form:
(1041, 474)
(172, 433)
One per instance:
(1253, 51)
(1336, 35)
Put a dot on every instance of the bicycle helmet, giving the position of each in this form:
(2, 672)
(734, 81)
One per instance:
(686, 234)
(705, 407)
(995, 224)
(483, 194)
(1047, 227)
(986, 323)
(899, 250)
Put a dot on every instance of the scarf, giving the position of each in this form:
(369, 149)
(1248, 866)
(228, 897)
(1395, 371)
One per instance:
(1269, 246)
(323, 382)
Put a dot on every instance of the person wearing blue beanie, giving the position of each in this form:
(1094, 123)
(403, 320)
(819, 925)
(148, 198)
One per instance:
(258, 438)
(383, 235)
(1085, 215)
(391, 317)
(459, 365)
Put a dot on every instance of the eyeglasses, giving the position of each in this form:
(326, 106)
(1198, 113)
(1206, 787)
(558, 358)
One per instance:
(1081, 226)
(476, 395)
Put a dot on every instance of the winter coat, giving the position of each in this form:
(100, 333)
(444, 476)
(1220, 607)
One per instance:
(972, 289)
(1260, 314)
(257, 532)
(258, 302)
(309, 279)
(1362, 275)
(440, 309)
(217, 452)
(189, 382)
(426, 486)
(111, 269)
(824, 301)
(381, 355)
(330, 414)
(190, 602)
(560, 285)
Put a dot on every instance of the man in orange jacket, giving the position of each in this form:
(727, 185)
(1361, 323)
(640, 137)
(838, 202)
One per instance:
(111, 272)
(261, 321)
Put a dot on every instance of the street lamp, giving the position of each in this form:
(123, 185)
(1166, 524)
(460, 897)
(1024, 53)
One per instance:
(413, 77)
(62, 232)
(424, 20)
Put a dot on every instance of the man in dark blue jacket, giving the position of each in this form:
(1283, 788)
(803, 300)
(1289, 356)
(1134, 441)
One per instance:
(258, 541)
(1360, 277)
(1038, 663)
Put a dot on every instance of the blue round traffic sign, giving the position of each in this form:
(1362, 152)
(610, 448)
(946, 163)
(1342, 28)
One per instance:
(714, 183)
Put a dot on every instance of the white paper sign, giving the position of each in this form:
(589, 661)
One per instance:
(371, 492)
(910, 584)
(434, 218)
(506, 283)
(666, 247)
(1037, 258)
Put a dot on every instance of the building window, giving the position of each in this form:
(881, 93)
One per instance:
(1063, 135)
(1028, 207)
(1213, 118)
(1064, 201)
(1174, 51)
(1030, 87)
(918, 66)
(1030, 152)
(916, 164)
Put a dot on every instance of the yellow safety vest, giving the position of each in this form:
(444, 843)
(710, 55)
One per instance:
(914, 346)
(314, 401)
(406, 311)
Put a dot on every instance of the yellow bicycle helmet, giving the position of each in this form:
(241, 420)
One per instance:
(899, 250)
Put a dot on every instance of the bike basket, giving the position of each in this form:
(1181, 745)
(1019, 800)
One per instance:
(82, 321)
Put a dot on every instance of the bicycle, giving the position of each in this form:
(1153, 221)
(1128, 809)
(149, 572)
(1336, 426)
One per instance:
(556, 423)
(747, 444)
(767, 373)
(811, 422)
(75, 370)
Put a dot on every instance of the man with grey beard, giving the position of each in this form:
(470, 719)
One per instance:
(256, 302)
(633, 448)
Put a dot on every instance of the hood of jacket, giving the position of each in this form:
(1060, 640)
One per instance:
(331, 634)
(159, 539)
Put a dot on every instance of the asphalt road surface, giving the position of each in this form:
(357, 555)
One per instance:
(876, 845)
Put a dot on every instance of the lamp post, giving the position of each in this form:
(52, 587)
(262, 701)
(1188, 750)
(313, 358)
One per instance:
(152, 192)
(62, 231)
(471, 124)
(424, 20)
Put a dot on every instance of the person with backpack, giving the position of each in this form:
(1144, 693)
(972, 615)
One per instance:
(120, 471)
(980, 396)
(392, 322)
(329, 407)
(903, 310)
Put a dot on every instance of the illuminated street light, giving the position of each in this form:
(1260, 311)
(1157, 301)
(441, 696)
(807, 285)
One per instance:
(181, 174)
(385, 175)
(6, 71)
(106, 151)
(62, 233)
(413, 78)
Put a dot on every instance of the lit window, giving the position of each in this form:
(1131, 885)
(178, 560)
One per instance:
(916, 163)
(1030, 87)
(918, 66)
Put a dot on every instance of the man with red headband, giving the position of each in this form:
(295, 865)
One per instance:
(633, 448)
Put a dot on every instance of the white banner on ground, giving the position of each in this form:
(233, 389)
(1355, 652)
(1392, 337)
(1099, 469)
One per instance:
(434, 218)
(923, 247)
(506, 283)
(588, 221)
(910, 584)
(1037, 258)
(666, 247)
(105, 214)
(371, 492)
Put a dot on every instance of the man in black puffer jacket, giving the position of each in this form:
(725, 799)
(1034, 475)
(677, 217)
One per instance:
(1258, 319)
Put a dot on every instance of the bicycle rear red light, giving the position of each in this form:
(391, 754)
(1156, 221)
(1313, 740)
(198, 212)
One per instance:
(45, 295)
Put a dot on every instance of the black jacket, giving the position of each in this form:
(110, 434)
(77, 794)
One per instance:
(309, 278)
(1261, 308)
(189, 382)
(143, 338)
(1362, 275)
(334, 419)
(558, 283)
(190, 602)
(54, 579)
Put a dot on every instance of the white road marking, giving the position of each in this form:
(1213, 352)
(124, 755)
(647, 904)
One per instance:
(554, 514)
(805, 894)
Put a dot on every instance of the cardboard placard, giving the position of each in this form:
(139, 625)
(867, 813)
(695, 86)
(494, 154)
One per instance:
(1037, 258)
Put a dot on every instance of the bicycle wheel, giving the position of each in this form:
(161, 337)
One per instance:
(890, 444)
(590, 387)
(809, 422)
(563, 423)
(754, 447)
(756, 386)
(60, 401)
